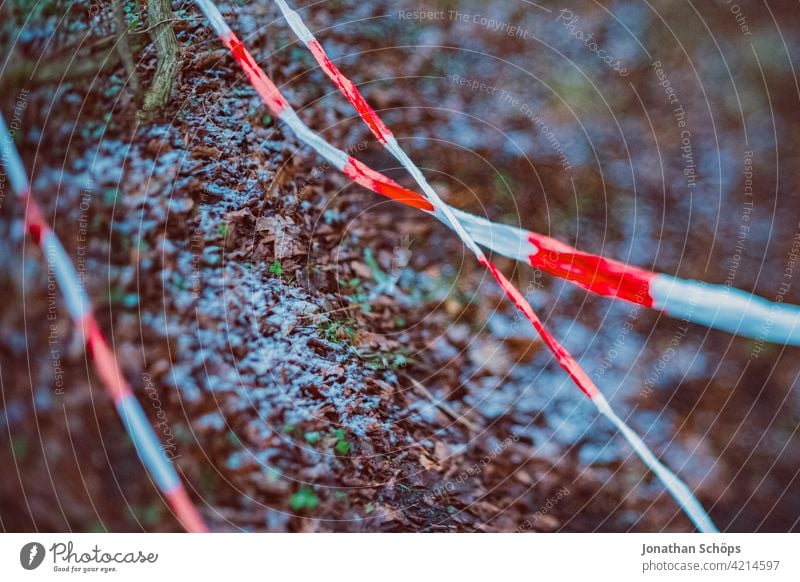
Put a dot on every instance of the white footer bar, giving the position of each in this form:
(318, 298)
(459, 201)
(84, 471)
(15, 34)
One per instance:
(389, 557)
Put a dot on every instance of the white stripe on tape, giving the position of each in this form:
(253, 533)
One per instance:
(727, 309)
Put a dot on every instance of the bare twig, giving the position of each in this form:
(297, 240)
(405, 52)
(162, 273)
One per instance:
(151, 27)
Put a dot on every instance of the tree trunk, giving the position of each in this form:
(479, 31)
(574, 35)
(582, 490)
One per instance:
(159, 20)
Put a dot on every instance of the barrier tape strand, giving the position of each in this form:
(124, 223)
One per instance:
(717, 306)
(82, 314)
(672, 483)
(283, 111)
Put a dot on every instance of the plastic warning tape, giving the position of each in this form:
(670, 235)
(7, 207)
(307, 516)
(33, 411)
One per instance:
(716, 306)
(80, 309)
(433, 204)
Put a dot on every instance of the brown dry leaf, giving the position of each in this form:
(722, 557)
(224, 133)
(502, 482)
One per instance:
(283, 231)
(273, 224)
(428, 463)
(377, 341)
(386, 512)
(240, 215)
(361, 270)
(202, 151)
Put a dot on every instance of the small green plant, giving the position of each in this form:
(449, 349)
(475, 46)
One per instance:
(131, 11)
(223, 230)
(276, 269)
(385, 360)
(342, 445)
(304, 498)
(337, 331)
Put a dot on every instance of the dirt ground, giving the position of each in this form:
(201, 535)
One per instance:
(315, 358)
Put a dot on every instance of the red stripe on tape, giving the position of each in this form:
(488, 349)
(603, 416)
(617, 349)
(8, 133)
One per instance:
(34, 219)
(186, 511)
(350, 91)
(104, 360)
(592, 272)
(380, 184)
(261, 83)
(565, 359)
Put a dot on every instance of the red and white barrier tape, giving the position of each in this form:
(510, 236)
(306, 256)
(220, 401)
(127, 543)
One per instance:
(80, 310)
(432, 204)
(715, 306)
